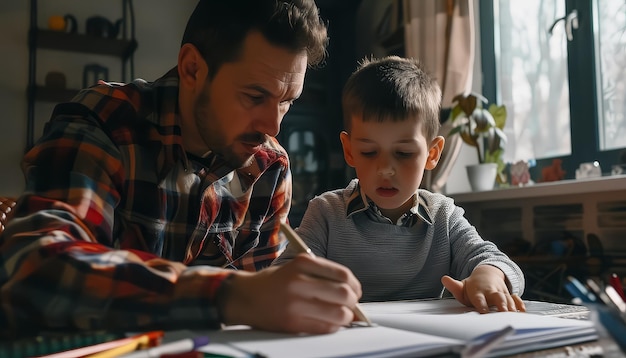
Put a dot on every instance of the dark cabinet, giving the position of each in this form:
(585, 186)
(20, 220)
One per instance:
(122, 47)
(310, 130)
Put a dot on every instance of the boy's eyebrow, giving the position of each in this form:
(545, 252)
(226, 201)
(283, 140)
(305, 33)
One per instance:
(402, 141)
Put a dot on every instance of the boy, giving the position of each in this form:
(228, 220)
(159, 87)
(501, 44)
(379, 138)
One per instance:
(400, 241)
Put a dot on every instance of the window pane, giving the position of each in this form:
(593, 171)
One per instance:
(532, 78)
(610, 37)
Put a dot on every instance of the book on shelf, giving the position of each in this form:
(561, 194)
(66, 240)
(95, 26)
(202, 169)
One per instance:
(409, 329)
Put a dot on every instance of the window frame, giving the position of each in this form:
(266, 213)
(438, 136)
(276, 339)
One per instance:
(584, 116)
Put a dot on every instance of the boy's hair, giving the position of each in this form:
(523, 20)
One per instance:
(392, 88)
(217, 28)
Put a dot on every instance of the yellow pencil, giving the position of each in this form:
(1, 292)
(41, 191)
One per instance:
(153, 336)
(296, 240)
(138, 343)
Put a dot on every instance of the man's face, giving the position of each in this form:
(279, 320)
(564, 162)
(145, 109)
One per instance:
(247, 99)
(389, 159)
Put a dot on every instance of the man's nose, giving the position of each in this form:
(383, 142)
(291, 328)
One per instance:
(269, 120)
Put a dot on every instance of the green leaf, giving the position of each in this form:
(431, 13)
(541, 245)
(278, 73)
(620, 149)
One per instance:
(495, 157)
(483, 119)
(454, 114)
(478, 125)
(455, 130)
(499, 115)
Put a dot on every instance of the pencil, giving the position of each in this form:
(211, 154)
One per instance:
(154, 338)
(296, 240)
(136, 343)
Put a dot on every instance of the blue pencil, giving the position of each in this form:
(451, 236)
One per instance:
(577, 289)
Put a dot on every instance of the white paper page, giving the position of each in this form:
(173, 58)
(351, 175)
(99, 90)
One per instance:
(466, 326)
(438, 306)
(377, 341)
(532, 331)
(452, 306)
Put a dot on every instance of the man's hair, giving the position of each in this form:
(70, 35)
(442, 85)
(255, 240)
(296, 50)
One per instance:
(217, 28)
(392, 88)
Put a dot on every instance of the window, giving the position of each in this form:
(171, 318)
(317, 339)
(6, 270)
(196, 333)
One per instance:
(558, 66)
(610, 35)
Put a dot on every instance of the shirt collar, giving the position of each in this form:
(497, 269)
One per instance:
(358, 202)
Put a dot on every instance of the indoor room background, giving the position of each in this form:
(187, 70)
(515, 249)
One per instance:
(520, 220)
(159, 25)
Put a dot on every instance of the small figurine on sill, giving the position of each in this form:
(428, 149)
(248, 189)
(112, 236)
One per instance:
(520, 176)
(554, 172)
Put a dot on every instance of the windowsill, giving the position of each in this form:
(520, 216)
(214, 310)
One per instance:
(562, 187)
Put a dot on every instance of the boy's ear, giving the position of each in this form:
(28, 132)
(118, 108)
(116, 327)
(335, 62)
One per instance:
(434, 152)
(347, 149)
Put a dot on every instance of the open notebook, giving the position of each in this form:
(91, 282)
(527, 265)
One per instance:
(403, 329)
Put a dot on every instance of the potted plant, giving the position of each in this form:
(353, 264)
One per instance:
(483, 129)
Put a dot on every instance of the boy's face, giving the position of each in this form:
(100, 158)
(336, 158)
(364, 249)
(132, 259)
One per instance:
(389, 159)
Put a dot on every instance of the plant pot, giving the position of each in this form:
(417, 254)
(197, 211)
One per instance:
(482, 176)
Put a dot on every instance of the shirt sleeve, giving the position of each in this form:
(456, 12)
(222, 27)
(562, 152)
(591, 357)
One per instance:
(313, 229)
(272, 195)
(60, 268)
(470, 250)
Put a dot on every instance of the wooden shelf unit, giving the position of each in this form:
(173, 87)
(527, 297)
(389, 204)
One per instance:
(570, 227)
(580, 207)
(122, 48)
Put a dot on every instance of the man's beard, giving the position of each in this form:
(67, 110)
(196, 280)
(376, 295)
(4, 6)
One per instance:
(211, 135)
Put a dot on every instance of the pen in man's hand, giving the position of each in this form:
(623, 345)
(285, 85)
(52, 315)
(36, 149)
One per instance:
(296, 240)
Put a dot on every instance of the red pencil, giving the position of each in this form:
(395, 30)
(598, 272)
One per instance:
(616, 282)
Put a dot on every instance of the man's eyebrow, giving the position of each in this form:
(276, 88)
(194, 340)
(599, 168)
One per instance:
(261, 89)
(267, 93)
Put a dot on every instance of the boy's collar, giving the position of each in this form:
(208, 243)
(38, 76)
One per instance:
(358, 202)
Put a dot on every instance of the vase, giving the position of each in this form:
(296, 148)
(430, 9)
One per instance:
(482, 176)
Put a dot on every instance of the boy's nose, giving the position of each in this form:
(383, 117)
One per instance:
(386, 169)
(387, 172)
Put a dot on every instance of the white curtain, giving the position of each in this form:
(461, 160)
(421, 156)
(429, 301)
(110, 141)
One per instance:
(441, 34)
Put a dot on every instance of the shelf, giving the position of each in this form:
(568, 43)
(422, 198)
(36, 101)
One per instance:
(50, 94)
(39, 38)
(557, 188)
(55, 40)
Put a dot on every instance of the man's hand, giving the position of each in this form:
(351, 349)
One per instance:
(484, 288)
(307, 294)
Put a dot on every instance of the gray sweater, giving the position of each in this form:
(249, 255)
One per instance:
(396, 261)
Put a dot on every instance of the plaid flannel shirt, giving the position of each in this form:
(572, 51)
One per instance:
(119, 228)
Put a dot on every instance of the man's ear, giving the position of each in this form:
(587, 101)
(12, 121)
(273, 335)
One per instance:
(347, 148)
(192, 69)
(434, 152)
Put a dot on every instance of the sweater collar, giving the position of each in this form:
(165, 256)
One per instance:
(358, 202)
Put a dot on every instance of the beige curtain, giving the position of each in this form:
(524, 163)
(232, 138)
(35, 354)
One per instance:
(441, 34)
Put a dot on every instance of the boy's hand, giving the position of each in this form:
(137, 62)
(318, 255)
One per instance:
(484, 288)
(307, 294)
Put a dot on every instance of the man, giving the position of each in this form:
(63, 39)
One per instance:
(142, 198)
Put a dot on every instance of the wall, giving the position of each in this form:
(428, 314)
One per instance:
(159, 27)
